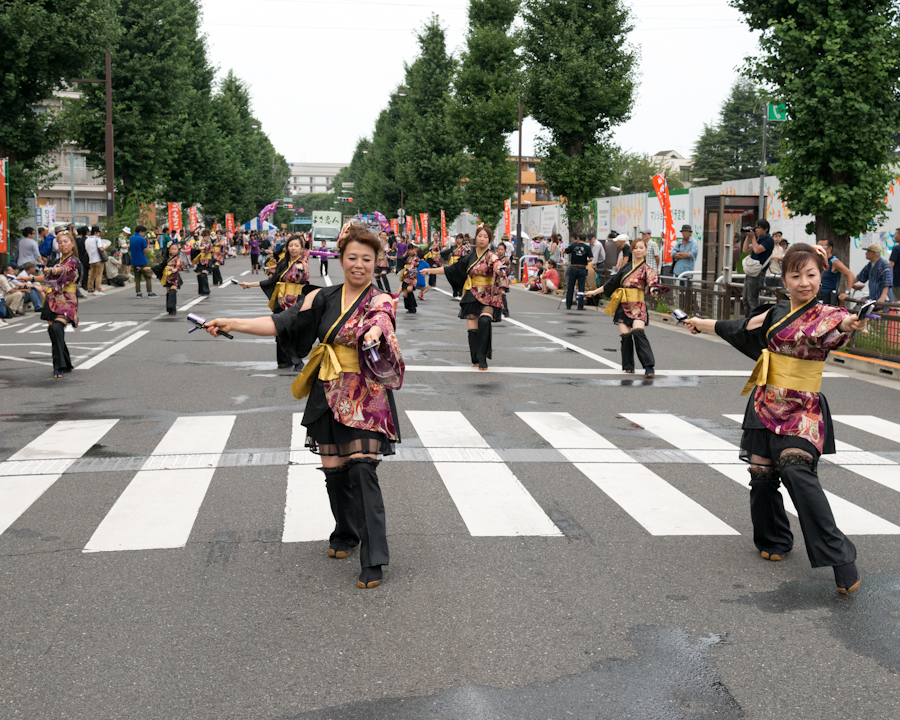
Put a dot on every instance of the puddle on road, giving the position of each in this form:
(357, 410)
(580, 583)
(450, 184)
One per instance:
(669, 677)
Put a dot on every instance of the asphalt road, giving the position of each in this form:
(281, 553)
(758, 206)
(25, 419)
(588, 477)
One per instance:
(632, 589)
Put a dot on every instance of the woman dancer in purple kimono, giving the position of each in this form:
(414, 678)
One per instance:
(626, 290)
(61, 303)
(480, 276)
(787, 425)
(350, 416)
(409, 277)
(171, 276)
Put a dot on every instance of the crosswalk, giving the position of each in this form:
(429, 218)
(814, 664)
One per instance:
(160, 505)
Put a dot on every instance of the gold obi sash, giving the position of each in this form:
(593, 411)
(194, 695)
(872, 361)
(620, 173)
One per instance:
(623, 295)
(70, 288)
(282, 289)
(453, 259)
(477, 281)
(786, 372)
(327, 362)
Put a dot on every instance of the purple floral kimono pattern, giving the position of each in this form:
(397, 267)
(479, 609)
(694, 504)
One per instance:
(410, 271)
(491, 266)
(171, 277)
(358, 400)
(58, 299)
(644, 278)
(809, 337)
(297, 273)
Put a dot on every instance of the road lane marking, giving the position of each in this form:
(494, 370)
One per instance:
(328, 282)
(872, 425)
(307, 510)
(700, 443)
(158, 508)
(52, 451)
(192, 303)
(489, 497)
(246, 272)
(112, 350)
(27, 360)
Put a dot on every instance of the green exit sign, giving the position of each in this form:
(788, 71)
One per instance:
(777, 113)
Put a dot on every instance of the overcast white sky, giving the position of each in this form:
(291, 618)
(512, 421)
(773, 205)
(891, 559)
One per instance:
(301, 57)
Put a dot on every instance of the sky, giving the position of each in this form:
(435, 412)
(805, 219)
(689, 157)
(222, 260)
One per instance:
(320, 71)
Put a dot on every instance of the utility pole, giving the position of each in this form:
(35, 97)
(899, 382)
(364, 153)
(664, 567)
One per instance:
(520, 246)
(72, 183)
(762, 169)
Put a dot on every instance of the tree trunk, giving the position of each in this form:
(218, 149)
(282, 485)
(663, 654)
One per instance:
(840, 243)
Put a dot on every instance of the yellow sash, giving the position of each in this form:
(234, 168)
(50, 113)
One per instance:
(282, 289)
(786, 372)
(477, 281)
(71, 287)
(327, 362)
(623, 295)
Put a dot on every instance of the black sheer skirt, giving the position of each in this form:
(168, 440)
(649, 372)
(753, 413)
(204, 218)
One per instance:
(326, 436)
(470, 307)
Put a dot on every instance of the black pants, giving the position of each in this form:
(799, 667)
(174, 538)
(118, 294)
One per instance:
(383, 283)
(409, 302)
(61, 360)
(323, 267)
(578, 274)
(203, 283)
(826, 545)
(217, 275)
(171, 300)
(283, 357)
(358, 509)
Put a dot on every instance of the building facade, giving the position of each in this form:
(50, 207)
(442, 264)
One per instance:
(308, 178)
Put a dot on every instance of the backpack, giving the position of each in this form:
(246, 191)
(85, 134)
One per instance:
(46, 246)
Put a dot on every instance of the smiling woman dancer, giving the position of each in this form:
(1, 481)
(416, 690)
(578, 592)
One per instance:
(626, 289)
(480, 275)
(787, 424)
(350, 416)
(61, 303)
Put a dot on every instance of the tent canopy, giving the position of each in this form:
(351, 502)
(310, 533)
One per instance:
(255, 225)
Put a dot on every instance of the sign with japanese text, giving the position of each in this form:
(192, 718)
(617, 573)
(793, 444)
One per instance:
(443, 227)
(229, 222)
(194, 219)
(395, 226)
(4, 212)
(507, 218)
(662, 192)
(326, 218)
(174, 217)
(409, 227)
(424, 223)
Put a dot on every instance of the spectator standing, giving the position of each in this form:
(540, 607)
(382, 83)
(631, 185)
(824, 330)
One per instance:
(80, 240)
(125, 255)
(598, 252)
(623, 245)
(45, 242)
(831, 276)
(164, 240)
(580, 254)
(894, 262)
(138, 249)
(28, 249)
(685, 252)
(773, 279)
(755, 267)
(653, 256)
(94, 246)
(877, 274)
(555, 250)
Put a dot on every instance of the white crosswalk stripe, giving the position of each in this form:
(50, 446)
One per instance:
(31, 471)
(488, 496)
(307, 512)
(871, 424)
(657, 506)
(158, 508)
(851, 518)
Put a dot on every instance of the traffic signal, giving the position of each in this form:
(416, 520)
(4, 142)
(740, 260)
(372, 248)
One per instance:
(350, 200)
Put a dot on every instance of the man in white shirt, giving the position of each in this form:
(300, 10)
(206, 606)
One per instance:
(653, 255)
(94, 244)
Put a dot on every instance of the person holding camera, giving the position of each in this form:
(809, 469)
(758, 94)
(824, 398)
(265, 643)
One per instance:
(761, 246)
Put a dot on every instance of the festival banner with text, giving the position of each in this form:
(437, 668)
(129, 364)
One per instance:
(662, 192)
(409, 227)
(4, 211)
(229, 223)
(395, 226)
(443, 227)
(507, 218)
(174, 217)
(195, 221)
(424, 219)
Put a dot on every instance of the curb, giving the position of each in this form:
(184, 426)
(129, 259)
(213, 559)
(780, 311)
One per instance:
(870, 366)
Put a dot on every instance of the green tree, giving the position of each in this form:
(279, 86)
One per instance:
(835, 64)
(579, 85)
(485, 110)
(44, 46)
(633, 173)
(732, 148)
(355, 173)
(429, 153)
(380, 185)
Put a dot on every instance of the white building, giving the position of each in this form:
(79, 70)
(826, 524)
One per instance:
(676, 163)
(309, 178)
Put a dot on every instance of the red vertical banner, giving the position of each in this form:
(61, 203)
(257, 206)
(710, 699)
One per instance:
(229, 222)
(395, 226)
(443, 227)
(4, 211)
(195, 222)
(174, 217)
(662, 192)
(416, 230)
(507, 218)
(426, 237)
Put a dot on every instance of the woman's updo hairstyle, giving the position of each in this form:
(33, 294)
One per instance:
(799, 254)
(353, 232)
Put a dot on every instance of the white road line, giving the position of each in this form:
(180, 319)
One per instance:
(570, 346)
(656, 505)
(872, 425)
(112, 350)
(28, 360)
(703, 445)
(246, 272)
(61, 445)
(328, 282)
(489, 497)
(581, 371)
(158, 508)
(307, 511)
(192, 303)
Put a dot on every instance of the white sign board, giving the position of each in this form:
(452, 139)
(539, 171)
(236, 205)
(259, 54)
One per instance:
(326, 218)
